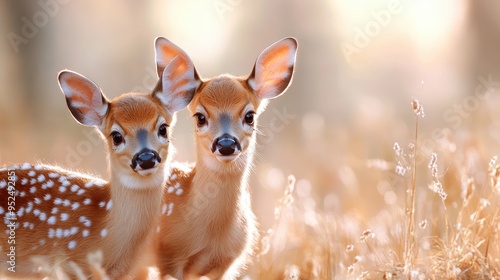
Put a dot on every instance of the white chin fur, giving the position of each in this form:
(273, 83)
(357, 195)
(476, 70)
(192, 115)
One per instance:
(145, 172)
(143, 179)
(227, 158)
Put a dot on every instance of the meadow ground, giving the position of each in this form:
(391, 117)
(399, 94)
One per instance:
(440, 220)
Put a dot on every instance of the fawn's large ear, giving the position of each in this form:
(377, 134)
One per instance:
(85, 100)
(165, 51)
(273, 69)
(178, 77)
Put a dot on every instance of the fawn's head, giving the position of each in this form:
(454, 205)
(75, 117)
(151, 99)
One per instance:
(135, 126)
(225, 108)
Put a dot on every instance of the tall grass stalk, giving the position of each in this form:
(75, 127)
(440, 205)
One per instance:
(410, 252)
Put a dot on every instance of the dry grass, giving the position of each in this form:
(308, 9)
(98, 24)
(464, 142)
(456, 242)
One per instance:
(444, 226)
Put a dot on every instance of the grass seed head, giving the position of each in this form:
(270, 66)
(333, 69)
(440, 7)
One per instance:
(367, 234)
(349, 248)
(417, 108)
(423, 224)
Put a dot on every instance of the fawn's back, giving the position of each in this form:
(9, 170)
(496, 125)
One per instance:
(50, 210)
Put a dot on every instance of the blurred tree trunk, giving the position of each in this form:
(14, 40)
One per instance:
(22, 65)
(484, 23)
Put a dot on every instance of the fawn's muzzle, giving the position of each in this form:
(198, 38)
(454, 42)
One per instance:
(226, 145)
(146, 159)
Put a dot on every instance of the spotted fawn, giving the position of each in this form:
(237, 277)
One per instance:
(63, 217)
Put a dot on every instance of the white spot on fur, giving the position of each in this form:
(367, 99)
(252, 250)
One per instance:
(74, 188)
(62, 189)
(74, 230)
(80, 192)
(51, 220)
(179, 192)
(86, 222)
(59, 233)
(1, 210)
(66, 202)
(47, 196)
(20, 212)
(85, 232)
(109, 205)
(53, 175)
(54, 210)
(47, 185)
(41, 178)
(75, 206)
(104, 232)
(38, 200)
(32, 189)
(99, 184)
(87, 201)
(3, 184)
(72, 244)
(57, 201)
(65, 183)
(170, 189)
(36, 212)
(30, 207)
(24, 181)
(43, 216)
(32, 181)
(102, 204)
(32, 173)
(25, 166)
(170, 208)
(38, 167)
(52, 233)
(22, 194)
(64, 217)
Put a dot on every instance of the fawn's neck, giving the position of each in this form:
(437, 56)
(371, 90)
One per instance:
(223, 185)
(133, 214)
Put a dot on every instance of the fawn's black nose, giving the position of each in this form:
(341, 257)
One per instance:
(226, 145)
(146, 159)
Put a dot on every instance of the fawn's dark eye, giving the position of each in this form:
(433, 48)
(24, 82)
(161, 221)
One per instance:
(117, 138)
(162, 131)
(200, 119)
(249, 118)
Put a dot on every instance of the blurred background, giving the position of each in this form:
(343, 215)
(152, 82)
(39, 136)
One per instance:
(359, 64)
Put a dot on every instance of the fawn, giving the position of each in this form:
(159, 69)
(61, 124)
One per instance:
(64, 217)
(207, 227)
